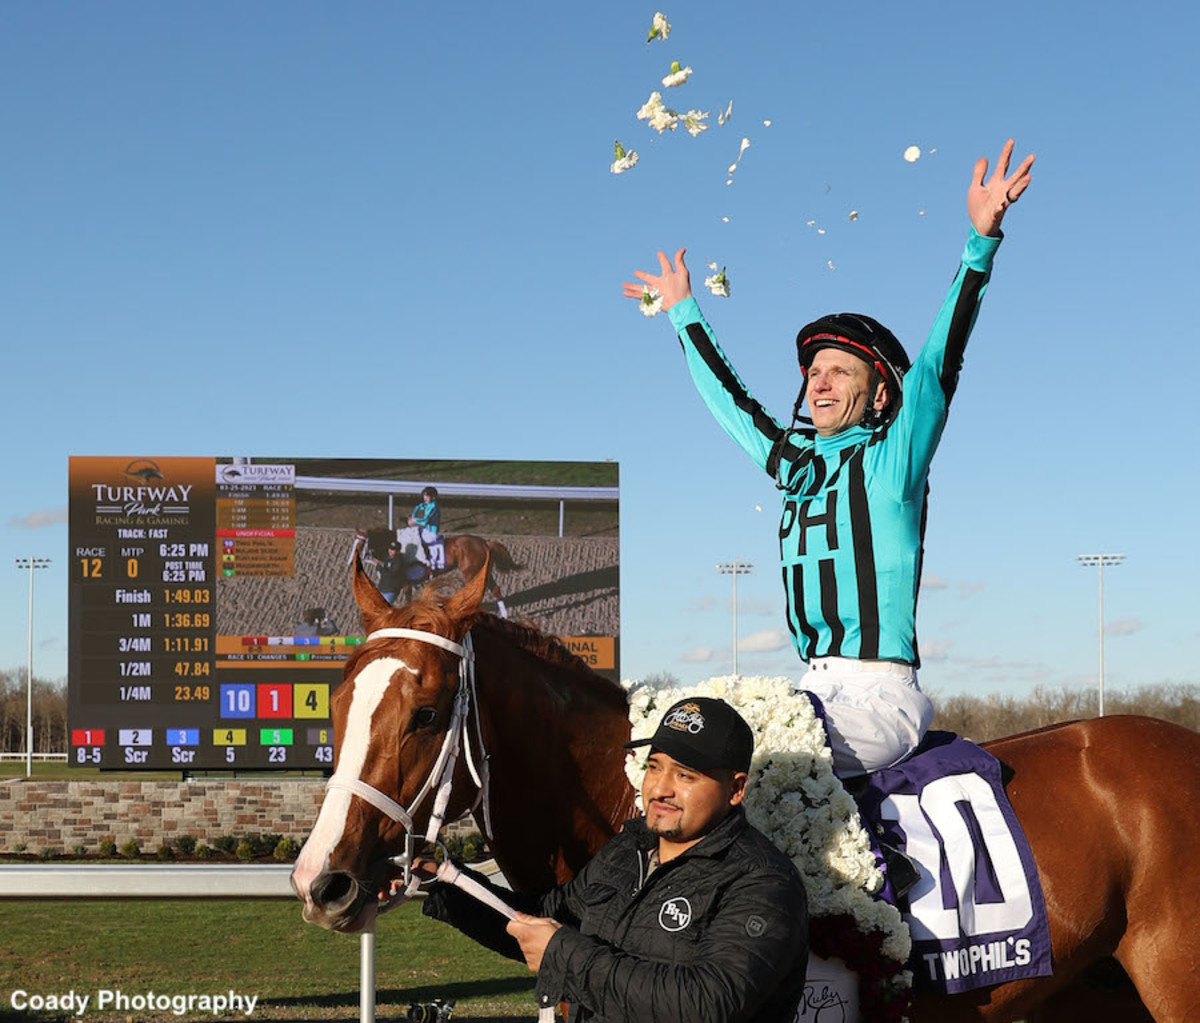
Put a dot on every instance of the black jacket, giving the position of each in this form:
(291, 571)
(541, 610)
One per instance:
(720, 933)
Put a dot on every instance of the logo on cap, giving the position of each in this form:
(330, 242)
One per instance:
(675, 914)
(685, 719)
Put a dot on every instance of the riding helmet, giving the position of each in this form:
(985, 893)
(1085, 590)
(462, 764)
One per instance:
(871, 341)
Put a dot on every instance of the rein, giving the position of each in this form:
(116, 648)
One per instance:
(441, 778)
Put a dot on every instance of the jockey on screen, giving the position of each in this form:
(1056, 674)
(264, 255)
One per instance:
(427, 516)
(854, 485)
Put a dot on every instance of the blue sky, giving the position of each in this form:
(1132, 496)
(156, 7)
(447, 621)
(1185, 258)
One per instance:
(390, 230)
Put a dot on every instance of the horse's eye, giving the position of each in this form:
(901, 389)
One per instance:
(425, 717)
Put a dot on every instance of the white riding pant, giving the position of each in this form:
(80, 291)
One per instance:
(435, 547)
(875, 712)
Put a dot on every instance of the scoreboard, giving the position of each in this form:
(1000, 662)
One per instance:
(153, 682)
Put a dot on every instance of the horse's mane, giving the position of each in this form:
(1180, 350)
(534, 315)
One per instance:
(551, 649)
(428, 613)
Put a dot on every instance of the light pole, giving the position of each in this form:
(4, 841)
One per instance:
(1100, 560)
(30, 564)
(734, 568)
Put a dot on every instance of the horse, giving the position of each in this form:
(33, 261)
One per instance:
(1108, 805)
(464, 551)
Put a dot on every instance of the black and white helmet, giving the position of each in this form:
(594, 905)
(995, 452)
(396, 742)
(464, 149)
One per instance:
(866, 338)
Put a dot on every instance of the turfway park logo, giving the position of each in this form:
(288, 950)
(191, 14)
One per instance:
(685, 719)
(145, 496)
(675, 914)
(256, 475)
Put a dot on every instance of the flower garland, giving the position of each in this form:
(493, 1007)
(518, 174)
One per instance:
(797, 801)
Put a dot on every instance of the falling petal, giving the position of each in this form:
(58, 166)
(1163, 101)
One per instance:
(677, 75)
(758, 507)
(624, 160)
(932, 151)
(766, 124)
(722, 118)
(921, 214)
(729, 182)
(828, 263)
(912, 154)
(854, 214)
(809, 223)
(693, 121)
(820, 230)
(745, 146)
(712, 266)
(725, 220)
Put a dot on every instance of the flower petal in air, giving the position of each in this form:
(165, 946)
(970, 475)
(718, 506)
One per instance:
(660, 28)
(676, 76)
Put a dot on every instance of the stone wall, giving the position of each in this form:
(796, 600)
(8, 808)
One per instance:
(60, 815)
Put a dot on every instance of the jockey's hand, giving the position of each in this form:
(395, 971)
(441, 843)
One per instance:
(533, 934)
(987, 200)
(674, 284)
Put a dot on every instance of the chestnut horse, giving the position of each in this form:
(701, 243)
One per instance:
(1109, 805)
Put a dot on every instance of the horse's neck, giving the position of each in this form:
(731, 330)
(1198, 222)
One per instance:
(558, 785)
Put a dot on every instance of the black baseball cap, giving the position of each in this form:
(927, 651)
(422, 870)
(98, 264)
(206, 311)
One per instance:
(703, 733)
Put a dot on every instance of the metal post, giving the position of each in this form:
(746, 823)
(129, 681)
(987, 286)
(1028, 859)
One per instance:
(1100, 560)
(734, 568)
(391, 511)
(561, 508)
(366, 975)
(31, 564)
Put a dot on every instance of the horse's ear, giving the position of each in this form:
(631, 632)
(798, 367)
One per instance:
(467, 600)
(371, 605)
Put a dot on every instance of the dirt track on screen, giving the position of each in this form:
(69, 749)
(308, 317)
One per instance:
(566, 586)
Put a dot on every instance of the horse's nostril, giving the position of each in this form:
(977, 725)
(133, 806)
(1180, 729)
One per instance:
(332, 890)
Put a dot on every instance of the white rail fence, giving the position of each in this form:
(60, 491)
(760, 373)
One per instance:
(173, 881)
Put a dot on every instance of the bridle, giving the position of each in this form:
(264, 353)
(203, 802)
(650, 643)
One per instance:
(441, 777)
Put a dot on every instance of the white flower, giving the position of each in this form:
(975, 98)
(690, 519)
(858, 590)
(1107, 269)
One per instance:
(651, 107)
(693, 121)
(660, 117)
(677, 75)
(651, 303)
(912, 154)
(664, 120)
(718, 284)
(624, 160)
(660, 29)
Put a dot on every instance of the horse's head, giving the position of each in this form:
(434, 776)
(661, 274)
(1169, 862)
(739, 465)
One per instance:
(391, 717)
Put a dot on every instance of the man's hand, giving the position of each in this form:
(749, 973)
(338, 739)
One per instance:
(533, 934)
(987, 200)
(674, 283)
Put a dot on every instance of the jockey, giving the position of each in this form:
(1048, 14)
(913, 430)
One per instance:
(854, 484)
(427, 516)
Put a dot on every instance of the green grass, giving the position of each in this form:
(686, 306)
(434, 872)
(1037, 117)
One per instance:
(298, 972)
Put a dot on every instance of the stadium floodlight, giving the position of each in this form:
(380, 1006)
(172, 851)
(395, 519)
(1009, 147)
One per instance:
(734, 568)
(31, 564)
(1100, 561)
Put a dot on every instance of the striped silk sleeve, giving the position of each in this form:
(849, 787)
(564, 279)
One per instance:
(732, 405)
(929, 386)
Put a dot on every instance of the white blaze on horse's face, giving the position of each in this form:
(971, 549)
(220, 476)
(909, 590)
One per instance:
(370, 686)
